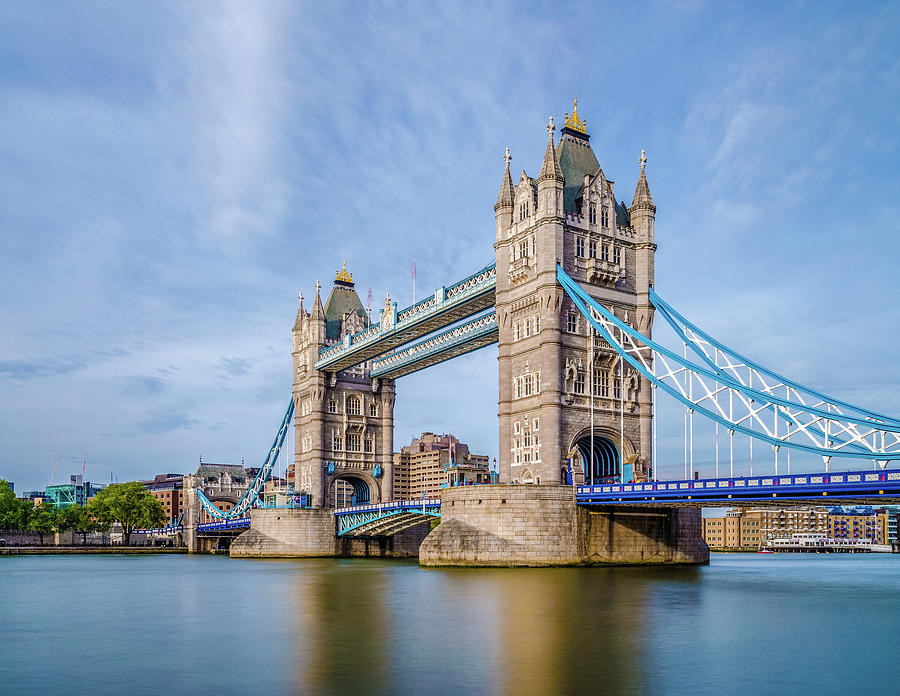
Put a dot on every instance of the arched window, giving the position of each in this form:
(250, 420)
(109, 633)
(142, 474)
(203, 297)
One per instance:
(353, 407)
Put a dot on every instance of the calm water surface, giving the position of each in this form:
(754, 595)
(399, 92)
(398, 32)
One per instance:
(746, 624)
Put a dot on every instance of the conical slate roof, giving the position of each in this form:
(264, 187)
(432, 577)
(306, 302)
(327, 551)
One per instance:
(342, 300)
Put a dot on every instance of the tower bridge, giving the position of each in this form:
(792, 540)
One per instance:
(571, 303)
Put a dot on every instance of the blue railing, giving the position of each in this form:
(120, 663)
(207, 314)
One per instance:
(226, 524)
(845, 484)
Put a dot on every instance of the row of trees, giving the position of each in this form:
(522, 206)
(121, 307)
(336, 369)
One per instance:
(129, 504)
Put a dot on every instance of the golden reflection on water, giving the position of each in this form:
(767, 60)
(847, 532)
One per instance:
(372, 627)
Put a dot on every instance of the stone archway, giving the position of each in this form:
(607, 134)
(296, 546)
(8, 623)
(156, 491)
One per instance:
(352, 489)
(606, 464)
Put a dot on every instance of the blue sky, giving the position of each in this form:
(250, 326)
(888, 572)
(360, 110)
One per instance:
(172, 174)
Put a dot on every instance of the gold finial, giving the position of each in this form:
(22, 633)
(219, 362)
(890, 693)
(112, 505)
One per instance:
(575, 123)
(387, 302)
(343, 276)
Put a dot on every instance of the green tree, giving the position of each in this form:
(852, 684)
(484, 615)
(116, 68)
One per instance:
(14, 513)
(129, 504)
(79, 519)
(44, 519)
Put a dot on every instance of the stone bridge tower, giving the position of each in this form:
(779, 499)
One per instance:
(570, 215)
(344, 421)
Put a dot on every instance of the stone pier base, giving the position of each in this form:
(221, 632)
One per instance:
(307, 533)
(523, 525)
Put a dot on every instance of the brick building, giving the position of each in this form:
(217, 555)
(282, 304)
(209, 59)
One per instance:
(433, 462)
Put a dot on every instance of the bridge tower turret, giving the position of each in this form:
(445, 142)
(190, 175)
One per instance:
(343, 422)
(643, 216)
(569, 216)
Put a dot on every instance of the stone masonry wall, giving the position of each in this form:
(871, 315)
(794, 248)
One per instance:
(642, 535)
(504, 525)
(286, 533)
(521, 525)
(310, 532)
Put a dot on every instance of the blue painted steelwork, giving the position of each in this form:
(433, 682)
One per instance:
(252, 493)
(683, 328)
(224, 525)
(827, 488)
(832, 434)
(168, 529)
(446, 306)
(385, 518)
(452, 343)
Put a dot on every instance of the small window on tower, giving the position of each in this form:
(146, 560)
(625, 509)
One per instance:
(373, 409)
(332, 406)
(604, 216)
(617, 255)
(592, 249)
(592, 213)
(523, 249)
(604, 252)
(579, 383)
(571, 322)
(523, 210)
(579, 247)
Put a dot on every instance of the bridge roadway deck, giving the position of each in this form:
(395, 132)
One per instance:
(830, 488)
(445, 307)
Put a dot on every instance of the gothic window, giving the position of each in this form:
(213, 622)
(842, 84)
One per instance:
(373, 409)
(571, 322)
(370, 445)
(517, 383)
(526, 380)
(604, 383)
(617, 255)
(533, 247)
(353, 408)
(526, 328)
(579, 247)
(523, 249)
(537, 324)
(517, 331)
(353, 442)
(536, 424)
(617, 389)
(517, 427)
(523, 210)
(526, 439)
(579, 383)
(604, 252)
(337, 442)
(604, 216)
(592, 249)
(592, 213)
(537, 382)
(332, 406)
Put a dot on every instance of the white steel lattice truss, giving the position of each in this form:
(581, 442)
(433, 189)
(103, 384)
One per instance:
(741, 395)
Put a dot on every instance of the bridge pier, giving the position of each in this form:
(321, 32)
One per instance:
(519, 525)
(309, 532)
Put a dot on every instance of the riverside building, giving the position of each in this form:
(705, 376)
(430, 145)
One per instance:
(432, 462)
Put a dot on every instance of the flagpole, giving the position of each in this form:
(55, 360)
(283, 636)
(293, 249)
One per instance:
(414, 280)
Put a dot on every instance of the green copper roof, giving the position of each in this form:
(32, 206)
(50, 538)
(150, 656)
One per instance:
(341, 300)
(576, 158)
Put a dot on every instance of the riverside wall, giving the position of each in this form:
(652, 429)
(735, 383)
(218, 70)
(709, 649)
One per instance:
(302, 533)
(517, 525)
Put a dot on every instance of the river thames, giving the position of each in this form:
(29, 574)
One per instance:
(748, 624)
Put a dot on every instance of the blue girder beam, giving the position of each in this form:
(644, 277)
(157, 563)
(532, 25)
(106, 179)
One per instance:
(829, 488)
(385, 519)
(445, 307)
(459, 340)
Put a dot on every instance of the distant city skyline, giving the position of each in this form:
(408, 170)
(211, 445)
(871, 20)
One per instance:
(173, 174)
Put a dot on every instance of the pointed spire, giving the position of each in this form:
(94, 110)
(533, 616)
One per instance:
(550, 167)
(505, 197)
(642, 197)
(318, 311)
(301, 313)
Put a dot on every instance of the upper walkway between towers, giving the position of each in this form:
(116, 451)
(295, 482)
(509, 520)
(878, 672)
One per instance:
(446, 306)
